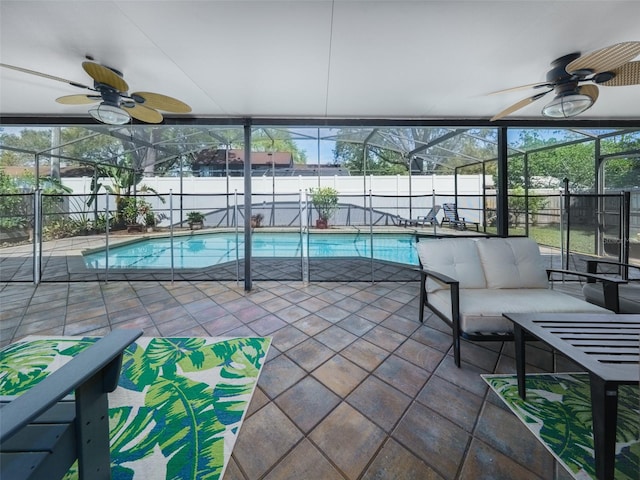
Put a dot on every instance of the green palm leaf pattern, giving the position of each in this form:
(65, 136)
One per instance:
(558, 413)
(23, 364)
(178, 406)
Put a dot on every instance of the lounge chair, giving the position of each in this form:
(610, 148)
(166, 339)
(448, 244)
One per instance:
(469, 283)
(454, 220)
(429, 218)
(626, 296)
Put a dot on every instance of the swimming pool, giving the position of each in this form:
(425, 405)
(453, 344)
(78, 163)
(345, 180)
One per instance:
(203, 250)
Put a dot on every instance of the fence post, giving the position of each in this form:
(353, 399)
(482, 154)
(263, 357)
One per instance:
(371, 235)
(37, 237)
(106, 250)
(235, 221)
(433, 204)
(171, 228)
(567, 206)
(626, 230)
(304, 258)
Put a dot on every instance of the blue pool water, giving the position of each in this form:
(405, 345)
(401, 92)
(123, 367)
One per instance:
(204, 250)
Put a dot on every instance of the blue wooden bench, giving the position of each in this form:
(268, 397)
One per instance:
(43, 431)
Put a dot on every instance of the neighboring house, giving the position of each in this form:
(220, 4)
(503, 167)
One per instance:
(214, 163)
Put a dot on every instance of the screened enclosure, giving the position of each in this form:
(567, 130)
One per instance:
(75, 192)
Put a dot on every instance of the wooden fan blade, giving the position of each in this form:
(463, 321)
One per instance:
(102, 74)
(162, 102)
(523, 87)
(518, 105)
(590, 91)
(45, 75)
(144, 114)
(627, 74)
(606, 59)
(78, 99)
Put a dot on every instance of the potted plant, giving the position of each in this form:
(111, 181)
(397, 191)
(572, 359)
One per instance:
(325, 201)
(196, 220)
(129, 209)
(256, 220)
(150, 221)
(134, 212)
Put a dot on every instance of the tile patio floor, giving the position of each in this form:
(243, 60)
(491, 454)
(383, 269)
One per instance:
(353, 388)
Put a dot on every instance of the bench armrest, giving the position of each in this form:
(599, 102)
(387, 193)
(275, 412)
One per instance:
(103, 356)
(441, 277)
(609, 286)
(591, 277)
(592, 266)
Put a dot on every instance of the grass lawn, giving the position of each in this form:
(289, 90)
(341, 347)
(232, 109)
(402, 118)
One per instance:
(581, 241)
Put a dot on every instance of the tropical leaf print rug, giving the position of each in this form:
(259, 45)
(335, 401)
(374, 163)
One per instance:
(178, 407)
(558, 412)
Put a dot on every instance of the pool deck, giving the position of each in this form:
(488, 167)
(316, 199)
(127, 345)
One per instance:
(354, 387)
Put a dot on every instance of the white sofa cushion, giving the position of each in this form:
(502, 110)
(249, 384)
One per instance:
(481, 309)
(512, 263)
(455, 257)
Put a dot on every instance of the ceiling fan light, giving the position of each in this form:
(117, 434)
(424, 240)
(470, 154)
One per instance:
(109, 114)
(565, 106)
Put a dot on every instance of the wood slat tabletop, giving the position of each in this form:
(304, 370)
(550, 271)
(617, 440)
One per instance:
(605, 344)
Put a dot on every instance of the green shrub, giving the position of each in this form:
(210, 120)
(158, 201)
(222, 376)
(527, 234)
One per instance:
(325, 201)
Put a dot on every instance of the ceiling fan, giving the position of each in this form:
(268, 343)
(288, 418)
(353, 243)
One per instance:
(610, 66)
(115, 105)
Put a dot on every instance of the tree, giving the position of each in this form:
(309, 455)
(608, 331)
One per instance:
(519, 205)
(15, 203)
(435, 150)
(29, 139)
(380, 161)
(622, 173)
(276, 140)
(575, 162)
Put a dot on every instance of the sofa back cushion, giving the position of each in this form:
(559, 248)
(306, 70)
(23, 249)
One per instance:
(455, 257)
(512, 263)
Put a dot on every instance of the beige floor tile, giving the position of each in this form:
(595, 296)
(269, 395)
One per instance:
(349, 439)
(390, 406)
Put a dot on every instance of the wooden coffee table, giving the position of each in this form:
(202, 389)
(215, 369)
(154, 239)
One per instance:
(607, 346)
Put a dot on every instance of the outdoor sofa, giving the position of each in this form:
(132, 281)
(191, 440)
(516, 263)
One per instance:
(469, 283)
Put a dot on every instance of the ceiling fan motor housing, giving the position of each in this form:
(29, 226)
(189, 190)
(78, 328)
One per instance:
(109, 95)
(559, 74)
(566, 88)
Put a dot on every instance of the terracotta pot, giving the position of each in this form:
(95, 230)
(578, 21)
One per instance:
(322, 223)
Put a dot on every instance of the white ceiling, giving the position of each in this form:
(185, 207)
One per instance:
(312, 59)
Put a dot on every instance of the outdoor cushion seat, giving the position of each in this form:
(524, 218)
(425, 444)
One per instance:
(481, 315)
(469, 283)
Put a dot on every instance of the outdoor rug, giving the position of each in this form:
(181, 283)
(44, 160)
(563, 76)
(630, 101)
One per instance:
(179, 405)
(558, 412)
